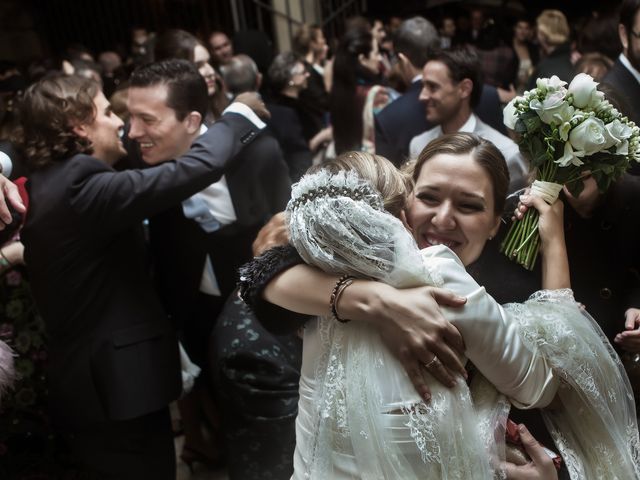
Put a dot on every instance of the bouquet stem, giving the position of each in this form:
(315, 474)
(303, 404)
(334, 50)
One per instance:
(522, 242)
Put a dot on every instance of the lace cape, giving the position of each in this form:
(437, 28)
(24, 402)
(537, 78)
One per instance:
(337, 223)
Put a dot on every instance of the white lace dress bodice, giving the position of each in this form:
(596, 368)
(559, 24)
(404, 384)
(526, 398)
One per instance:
(492, 344)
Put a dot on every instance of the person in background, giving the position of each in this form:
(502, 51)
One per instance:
(526, 52)
(112, 74)
(415, 41)
(595, 64)
(358, 91)
(290, 121)
(221, 48)
(181, 44)
(310, 45)
(450, 81)
(553, 37)
(113, 362)
(625, 73)
(447, 31)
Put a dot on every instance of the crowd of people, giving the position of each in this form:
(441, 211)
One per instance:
(239, 231)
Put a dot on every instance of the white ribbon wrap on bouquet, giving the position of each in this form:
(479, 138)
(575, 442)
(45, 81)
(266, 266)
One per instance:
(548, 191)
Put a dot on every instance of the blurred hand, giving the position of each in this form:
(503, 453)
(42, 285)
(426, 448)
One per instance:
(8, 191)
(540, 467)
(254, 101)
(507, 95)
(586, 202)
(14, 252)
(629, 339)
(273, 234)
(413, 328)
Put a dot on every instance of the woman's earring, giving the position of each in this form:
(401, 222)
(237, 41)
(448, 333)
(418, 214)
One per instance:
(291, 83)
(490, 237)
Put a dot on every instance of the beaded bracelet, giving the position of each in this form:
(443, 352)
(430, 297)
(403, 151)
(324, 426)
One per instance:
(342, 283)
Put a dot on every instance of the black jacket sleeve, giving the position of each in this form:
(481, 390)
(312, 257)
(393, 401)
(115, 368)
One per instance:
(256, 275)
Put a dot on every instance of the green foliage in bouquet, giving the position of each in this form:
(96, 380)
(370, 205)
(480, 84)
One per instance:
(566, 133)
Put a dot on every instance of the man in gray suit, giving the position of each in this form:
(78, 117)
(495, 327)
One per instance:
(449, 93)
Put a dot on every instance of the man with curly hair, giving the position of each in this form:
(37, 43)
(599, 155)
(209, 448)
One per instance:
(114, 363)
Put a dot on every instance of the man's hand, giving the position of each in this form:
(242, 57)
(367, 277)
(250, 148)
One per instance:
(415, 331)
(629, 339)
(540, 467)
(253, 100)
(273, 234)
(8, 191)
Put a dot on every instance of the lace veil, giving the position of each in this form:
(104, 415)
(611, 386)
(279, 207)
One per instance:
(337, 222)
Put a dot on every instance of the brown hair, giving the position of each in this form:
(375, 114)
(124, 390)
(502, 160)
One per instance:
(304, 36)
(49, 110)
(394, 186)
(485, 153)
(553, 25)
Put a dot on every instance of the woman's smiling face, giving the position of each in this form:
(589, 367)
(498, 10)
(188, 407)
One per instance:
(453, 204)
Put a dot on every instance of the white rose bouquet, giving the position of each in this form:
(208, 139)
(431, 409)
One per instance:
(566, 133)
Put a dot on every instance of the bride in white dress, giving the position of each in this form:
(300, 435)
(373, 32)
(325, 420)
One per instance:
(359, 415)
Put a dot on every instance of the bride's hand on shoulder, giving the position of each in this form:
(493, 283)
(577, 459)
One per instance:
(415, 331)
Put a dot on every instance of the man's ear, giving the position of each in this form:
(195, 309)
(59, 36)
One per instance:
(193, 121)
(624, 38)
(465, 87)
(81, 130)
(258, 81)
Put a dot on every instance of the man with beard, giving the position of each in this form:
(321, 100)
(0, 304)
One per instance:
(113, 356)
(624, 76)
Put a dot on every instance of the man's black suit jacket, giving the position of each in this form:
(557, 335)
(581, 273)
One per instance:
(627, 87)
(259, 187)
(113, 354)
(404, 118)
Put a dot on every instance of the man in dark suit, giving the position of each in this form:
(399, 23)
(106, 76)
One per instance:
(199, 245)
(624, 76)
(113, 354)
(404, 118)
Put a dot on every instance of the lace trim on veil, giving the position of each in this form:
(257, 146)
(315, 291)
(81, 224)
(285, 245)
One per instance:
(594, 426)
(343, 234)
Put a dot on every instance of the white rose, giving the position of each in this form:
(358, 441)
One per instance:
(554, 109)
(551, 84)
(570, 157)
(509, 114)
(619, 130)
(591, 136)
(623, 148)
(584, 90)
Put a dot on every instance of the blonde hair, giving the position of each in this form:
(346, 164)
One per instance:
(553, 25)
(394, 185)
